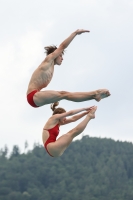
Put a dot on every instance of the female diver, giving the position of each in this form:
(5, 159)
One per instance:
(57, 147)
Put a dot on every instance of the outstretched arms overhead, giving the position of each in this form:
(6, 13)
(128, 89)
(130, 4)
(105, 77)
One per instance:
(65, 44)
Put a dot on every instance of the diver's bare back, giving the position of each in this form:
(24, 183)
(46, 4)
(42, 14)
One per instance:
(41, 77)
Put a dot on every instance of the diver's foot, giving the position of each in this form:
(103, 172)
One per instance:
(91, 113)
(101, 94)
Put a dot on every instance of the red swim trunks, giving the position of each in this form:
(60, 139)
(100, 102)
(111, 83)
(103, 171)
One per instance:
(53, 133)
(30, 99)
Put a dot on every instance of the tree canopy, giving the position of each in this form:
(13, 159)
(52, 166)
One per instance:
(90, 169)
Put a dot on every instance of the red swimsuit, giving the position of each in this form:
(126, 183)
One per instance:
(53, 133)
(30, 98)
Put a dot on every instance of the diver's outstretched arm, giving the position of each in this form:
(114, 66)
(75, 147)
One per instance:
(77, 117)
(65, 44)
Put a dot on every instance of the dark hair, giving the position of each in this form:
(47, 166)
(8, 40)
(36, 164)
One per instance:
(51, 49)
(57, 110)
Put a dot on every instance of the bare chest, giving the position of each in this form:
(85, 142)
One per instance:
(40, 78)
(46, 77)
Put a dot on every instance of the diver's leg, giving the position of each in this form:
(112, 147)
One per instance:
(50, 96)
(58, 147)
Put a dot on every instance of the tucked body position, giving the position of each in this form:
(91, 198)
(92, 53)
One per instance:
(56, 147)
(42, 76)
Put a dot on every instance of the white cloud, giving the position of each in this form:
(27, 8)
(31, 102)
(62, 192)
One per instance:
(101, 59)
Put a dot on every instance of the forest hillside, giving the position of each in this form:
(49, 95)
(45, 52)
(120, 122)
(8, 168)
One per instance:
(90, 169)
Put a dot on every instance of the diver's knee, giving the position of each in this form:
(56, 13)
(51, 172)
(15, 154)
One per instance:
(71, 133)
(64, 94)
